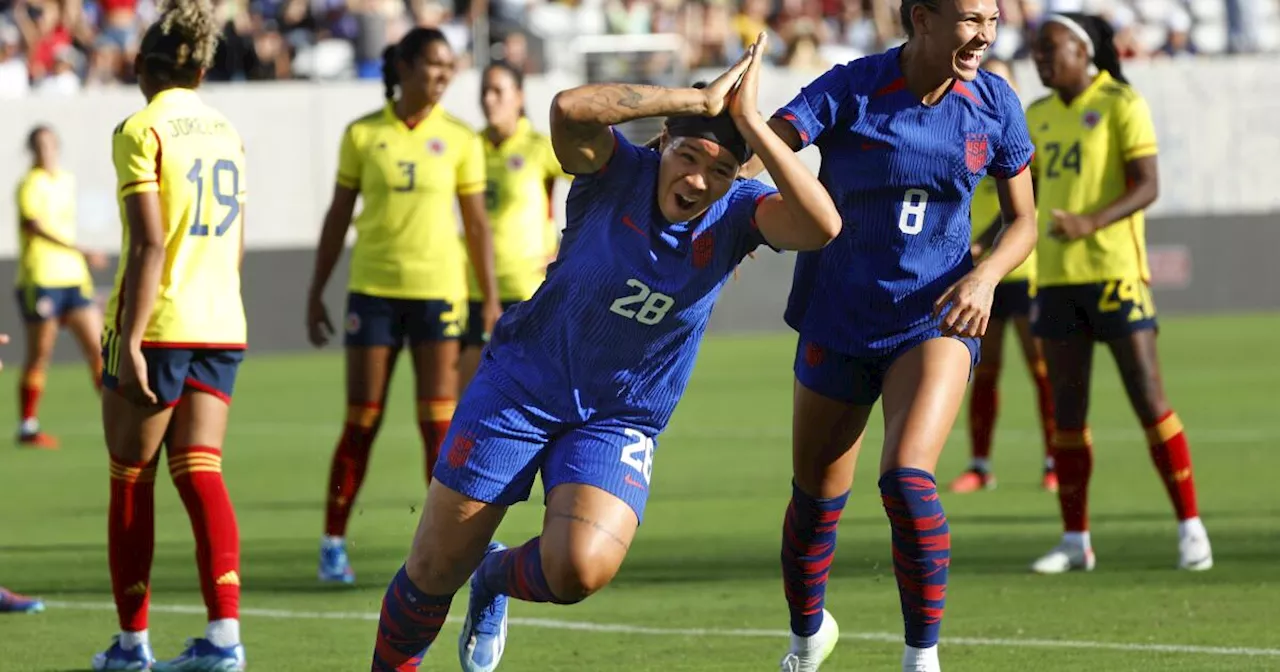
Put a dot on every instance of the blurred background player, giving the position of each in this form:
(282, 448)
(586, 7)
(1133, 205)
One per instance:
(176, 337)
(1011, 306)
(408, 273)
(556, 393)
(894, 307)
(521, 171)
(11, 602)
(1096, 171)
(54, 287)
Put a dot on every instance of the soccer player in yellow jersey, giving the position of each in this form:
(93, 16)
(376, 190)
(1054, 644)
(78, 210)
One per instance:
(175, 337)
(521, 170)
(1011, 305)
(408, 162)
(1095, 171)
(53, 285)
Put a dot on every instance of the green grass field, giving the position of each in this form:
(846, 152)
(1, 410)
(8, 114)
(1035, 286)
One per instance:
(701, 590)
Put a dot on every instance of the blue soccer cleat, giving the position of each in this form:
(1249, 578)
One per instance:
(484, 634)
(119, 658)
(13, 603)
(202, 656)
(335, 567)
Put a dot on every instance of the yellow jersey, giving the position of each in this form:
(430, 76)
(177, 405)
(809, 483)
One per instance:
(983, 211)
(49, 199)
(518, 176)
(190, 155)
(1081, 152)
(407, 235)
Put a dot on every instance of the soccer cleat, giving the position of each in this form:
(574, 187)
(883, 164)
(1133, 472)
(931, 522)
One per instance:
(13, 603)
(808, 653)
(484, 634)
(1065, 558)
(202, 656)
(335, 567)
(973, 480)
(1050, 481)
(119, 658)
(1194, 552)
(38, 441)
(920, 660)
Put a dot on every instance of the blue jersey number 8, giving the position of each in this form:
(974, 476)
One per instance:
(225, 198)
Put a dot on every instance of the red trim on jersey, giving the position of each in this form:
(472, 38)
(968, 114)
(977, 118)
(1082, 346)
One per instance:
(759, 200)
(171, 345)
(159, 152)
(1017, 172)
(795, 123)
(201, 387)
(892, 87)
(964, 90)
(136, 183)
(626, 221)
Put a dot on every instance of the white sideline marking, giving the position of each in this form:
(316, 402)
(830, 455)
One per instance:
(580, 626)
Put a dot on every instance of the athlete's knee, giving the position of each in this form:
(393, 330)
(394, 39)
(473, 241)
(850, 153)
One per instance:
(576, 571)
(441, 569)
(988, 370)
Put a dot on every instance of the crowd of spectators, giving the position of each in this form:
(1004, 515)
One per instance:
(59, 47)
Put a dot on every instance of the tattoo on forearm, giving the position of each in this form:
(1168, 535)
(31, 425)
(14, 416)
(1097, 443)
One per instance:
(594, 525)
(599, 105)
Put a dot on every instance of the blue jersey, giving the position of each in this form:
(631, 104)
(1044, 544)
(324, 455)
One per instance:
(901, 174)
(614, 329)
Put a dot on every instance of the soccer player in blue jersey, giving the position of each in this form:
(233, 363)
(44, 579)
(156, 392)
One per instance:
(893, 308)
(579, 380)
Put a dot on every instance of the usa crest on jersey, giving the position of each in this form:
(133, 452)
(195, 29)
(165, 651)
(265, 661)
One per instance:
(975, 151)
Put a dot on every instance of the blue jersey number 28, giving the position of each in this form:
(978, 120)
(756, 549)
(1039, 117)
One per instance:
(226, 187)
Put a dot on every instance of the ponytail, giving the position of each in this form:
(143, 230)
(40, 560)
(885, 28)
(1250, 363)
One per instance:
(390, 78)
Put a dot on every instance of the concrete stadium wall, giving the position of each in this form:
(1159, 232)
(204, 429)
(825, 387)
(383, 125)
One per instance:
(1199, 264)
(1211, 233)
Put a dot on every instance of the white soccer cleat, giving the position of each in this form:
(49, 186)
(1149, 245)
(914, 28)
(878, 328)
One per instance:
(921, 660)
(808, 653)
(1194, 552)
(1065, 558)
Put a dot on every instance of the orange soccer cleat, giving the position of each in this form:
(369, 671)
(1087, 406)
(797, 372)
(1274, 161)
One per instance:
(38, 441)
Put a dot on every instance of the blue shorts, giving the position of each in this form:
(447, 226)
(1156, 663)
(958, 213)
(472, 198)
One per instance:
(857, 380)
(171, 371)
(1104, 311)
(1012, 299)
(374, 320)
(498, 442)
(37, 303)
(474, 336)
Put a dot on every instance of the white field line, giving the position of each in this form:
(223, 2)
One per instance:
(619, 628)
(330, 430)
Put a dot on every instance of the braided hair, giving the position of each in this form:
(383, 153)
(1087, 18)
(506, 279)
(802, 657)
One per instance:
(1099, 39)
(179, 47)
(409, 48)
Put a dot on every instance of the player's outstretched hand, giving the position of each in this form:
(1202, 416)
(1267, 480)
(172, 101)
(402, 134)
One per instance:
(743, 100)
(319, 328)
(96, 260)
(132, 379)
(970, 300)
(1068, 226)
(718, 91)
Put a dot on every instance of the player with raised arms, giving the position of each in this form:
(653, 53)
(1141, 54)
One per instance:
(1096, 171)
(580, 379)
(53, 287)
(1010, 307)
(175, 337)
(893, 308)
(408, 162)
(521, 170)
